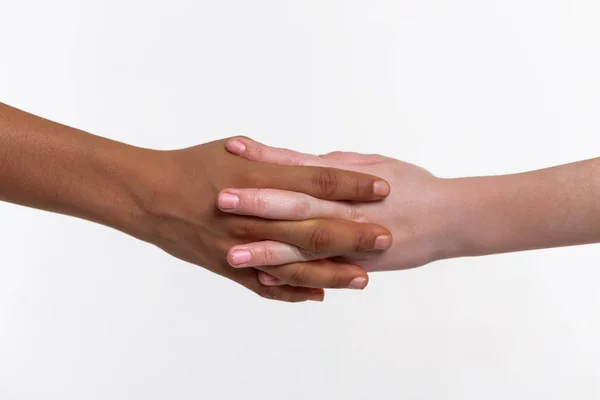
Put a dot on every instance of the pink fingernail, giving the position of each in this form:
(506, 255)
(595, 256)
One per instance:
(267, 279)
(382, 242)
(236, 146)
(241, 256)
(381, 188)
(228, 201)
(358, 283)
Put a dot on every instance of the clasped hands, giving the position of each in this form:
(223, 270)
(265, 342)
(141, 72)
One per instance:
(286, 225)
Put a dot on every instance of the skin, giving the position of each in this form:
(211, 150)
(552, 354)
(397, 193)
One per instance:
(430, 218)
(167, 198)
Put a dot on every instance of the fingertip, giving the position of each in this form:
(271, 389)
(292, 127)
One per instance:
(236, 146)
(381, 188)
(228, 200)
(335, 184)
(237, 257)
(356, 278)
(382, 242)
(359, 283)
(317, 295)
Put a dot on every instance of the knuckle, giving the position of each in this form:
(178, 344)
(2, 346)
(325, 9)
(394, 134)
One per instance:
(336, 281)
(326, 181)
(299, 276)
(257, 203)
(321, 240)
(360, 242)
(302, 208)
(239, 230)
(242, 229)
(268, 255)
(359, 189)
(352, 213)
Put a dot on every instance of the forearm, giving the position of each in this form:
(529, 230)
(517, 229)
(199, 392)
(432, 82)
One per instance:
(57, 168)
(553, 207)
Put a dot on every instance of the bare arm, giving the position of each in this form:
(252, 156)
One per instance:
(552, 207)
(57, 168)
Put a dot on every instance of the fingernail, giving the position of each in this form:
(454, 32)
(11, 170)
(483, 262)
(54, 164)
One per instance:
(269, 279)
(316, 297)
(236, 146)
(382, 242)
(228, 201)
(381, 188)
(241, 256)
(358, 283)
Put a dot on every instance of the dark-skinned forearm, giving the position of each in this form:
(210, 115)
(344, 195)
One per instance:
(53, 167)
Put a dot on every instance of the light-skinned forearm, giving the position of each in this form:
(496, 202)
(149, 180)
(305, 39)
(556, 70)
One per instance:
(552, 207)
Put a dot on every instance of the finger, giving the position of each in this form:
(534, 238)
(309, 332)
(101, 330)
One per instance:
(290, 294)
(285, 293)
(316, 179)
(269, 280)
(316, 274)
(255, 151)
(268, 252)
(282, 205)
(248, 277)
(321, 236)
(321, 182)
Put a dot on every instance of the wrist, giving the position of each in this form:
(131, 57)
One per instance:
(460, 218)
(125, 195)
(482, 216)
(546, 208)
(160, 195)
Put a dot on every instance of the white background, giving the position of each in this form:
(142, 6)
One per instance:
(463, 87)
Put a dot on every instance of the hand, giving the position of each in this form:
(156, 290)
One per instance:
(185, 222)
(415, 211)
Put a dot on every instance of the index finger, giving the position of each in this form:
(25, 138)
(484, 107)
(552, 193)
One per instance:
(323, 182)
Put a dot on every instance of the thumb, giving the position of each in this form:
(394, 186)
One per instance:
(256, 151)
